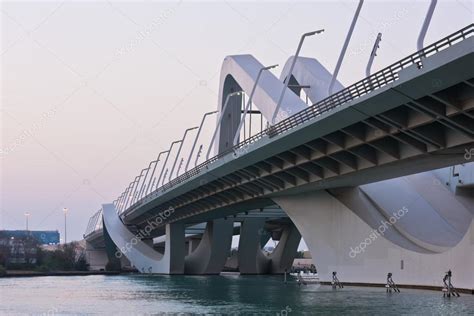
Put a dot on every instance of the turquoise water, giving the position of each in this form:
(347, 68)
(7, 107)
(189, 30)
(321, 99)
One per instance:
(229, 294)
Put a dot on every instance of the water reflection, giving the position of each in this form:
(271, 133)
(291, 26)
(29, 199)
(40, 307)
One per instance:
(263, 295)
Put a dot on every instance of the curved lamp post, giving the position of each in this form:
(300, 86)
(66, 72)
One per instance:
(344, 47)
(166, 161)
(242, 120)
(128, 202)
(373, 54)
(125, 197)
(426, 24)
(179, 150)
(153, 172)
(135, 192)
(119, 202)
(197, 136)
(291, 71)
(221, 117)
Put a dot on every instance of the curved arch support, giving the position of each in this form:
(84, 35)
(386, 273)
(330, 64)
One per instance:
(426, 200)
(239, 73)
(143, 257)
(339, 240)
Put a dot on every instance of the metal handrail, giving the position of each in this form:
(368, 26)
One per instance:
(352, 92)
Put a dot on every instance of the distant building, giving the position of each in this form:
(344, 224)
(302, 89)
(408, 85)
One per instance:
(43, 237)
(20, 247)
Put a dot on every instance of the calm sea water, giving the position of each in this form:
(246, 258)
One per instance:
(221, 295)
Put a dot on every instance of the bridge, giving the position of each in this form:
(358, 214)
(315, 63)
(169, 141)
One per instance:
(398, 142)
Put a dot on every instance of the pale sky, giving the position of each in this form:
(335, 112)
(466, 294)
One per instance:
(91, 91)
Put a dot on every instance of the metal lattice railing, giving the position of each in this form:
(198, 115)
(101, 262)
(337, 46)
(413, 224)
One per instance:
(354, 91)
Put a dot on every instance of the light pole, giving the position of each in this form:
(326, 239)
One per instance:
(154, 168)
(27, 214)
(179, 150)
(344, 47)
(426, 24)
(196, 139)
(65, 224)
(221, 117)
(130, 193)
(136, 194)
(242, 120)
(373, 54)
(164, 164)
(287, 80)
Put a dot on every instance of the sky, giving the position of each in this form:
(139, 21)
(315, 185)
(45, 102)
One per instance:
(91, 91)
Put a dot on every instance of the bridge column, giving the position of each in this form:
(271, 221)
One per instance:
(143, 257)
(250, 256)
(96, 257)
(192, 244)
(210, 255)
(284, 254)
(112, 252)
(327, 227)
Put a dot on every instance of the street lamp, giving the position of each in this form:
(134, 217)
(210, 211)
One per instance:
(153, 172)
(373, 54)
(196, 139)
(242, 120)
(27, 214)
(179, 150)
(221, 117)
(129, 193)
(344, 47)
(291, 71)
(136, 194)
(165, 162)
(426, 24)
(65, 224)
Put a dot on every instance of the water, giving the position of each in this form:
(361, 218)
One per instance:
(229, 294)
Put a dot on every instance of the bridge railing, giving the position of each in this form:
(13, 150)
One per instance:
(375, 81)
(95, 223)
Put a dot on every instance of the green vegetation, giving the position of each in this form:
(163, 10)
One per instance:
(65, 258)
(27, 254)
(3, 271)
